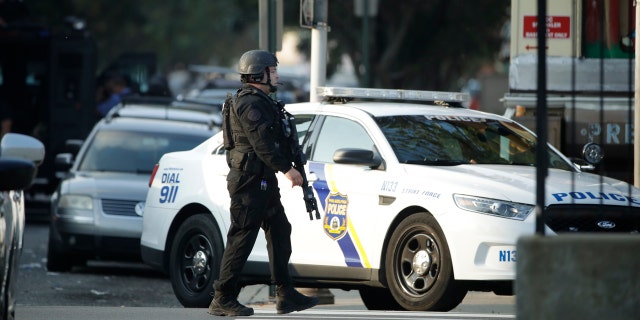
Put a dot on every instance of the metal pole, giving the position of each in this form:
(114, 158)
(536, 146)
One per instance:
(636, 104)
(316, 79)
(365, 44)
(541, 118)
(318, 59)
(263, 30)
(272, 26)
(318, 49)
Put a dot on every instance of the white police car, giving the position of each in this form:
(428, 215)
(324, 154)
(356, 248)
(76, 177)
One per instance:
(419, 203)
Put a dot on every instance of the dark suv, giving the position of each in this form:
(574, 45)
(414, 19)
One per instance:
(96, 209)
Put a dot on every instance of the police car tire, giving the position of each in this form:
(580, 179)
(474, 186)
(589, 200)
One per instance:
(378, 299)
(197, 233)
(433, 290)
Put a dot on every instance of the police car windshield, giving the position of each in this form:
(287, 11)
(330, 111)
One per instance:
(436, 140)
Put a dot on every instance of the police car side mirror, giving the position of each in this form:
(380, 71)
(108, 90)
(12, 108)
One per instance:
(356, 156)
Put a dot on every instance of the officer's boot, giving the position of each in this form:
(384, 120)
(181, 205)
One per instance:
(289, 300)
(224, 305)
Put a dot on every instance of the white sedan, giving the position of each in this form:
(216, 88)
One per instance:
(420, 202)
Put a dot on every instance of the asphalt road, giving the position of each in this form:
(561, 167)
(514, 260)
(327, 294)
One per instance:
(110, 290)
(107, 284)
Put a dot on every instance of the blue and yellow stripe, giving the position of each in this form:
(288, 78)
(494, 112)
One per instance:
(350, 245)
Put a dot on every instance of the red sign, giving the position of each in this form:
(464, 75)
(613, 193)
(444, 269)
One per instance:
(558, 27)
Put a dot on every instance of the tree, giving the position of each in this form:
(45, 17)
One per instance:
(415, 44)
(188, 31)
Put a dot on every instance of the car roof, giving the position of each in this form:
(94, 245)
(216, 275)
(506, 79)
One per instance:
(387, 102)
(168, 109)
(157, 125)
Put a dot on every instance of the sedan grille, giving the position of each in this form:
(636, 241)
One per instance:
(593, 218)
(119, 207)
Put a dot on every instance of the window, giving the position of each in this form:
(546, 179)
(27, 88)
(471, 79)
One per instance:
(302, 126)
(133, 152)
(418, 139)
(338, 133)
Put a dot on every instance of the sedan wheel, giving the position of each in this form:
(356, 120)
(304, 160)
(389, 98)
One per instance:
(418, 266)
(378, 299)
(195, 260)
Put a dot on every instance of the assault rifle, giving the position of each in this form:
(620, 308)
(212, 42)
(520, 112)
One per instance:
(299, 160)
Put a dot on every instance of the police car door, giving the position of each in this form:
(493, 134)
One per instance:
(347, 196)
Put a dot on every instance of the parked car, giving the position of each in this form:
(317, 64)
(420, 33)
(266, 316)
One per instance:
(19, 157)
(420, 202)
(96, 209)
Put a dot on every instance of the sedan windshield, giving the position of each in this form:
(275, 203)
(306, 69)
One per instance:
(437, 140)
(133, 152)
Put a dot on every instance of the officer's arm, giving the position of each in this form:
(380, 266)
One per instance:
(294, 176)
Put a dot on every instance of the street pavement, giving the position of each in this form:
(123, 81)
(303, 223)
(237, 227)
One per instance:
(346, 305)
(87, 295)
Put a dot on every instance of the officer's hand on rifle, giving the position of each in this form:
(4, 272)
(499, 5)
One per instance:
(294, 176)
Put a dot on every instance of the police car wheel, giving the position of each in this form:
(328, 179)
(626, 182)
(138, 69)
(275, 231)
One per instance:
(194, 261)
(418, 266)
(378, 299)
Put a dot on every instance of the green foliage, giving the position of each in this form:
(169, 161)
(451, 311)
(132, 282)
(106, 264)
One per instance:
(187, 31)
(414, 44)
(417, 44)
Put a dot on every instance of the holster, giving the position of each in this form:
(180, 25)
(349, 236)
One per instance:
(247, 162)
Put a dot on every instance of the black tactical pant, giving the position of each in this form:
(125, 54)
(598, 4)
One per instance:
(251, 209)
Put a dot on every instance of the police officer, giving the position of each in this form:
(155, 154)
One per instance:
(257, 148)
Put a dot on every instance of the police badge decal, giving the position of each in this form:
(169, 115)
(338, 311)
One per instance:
(335, 219)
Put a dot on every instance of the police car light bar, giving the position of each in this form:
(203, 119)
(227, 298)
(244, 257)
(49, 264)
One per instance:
(391, 94)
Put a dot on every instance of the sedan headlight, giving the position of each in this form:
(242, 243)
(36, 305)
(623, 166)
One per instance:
(76, 202)
(499, 208)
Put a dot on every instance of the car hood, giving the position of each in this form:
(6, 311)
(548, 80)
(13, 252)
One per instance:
(518, 184)
(108, 185)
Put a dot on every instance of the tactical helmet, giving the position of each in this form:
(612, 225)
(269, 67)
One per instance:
(255, 61)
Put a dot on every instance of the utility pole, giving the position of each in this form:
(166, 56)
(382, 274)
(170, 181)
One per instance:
(270, 31)
(366, 9)
(313, 15)
(542, 164)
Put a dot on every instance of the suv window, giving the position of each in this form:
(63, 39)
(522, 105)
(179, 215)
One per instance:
(134, 152)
